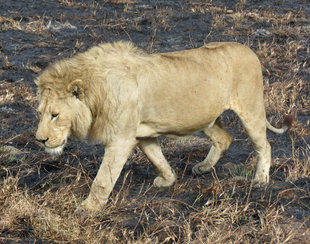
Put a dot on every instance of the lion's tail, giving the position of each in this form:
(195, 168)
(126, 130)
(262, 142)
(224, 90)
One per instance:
(287, 123)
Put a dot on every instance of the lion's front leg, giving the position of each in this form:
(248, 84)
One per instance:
(116, 155)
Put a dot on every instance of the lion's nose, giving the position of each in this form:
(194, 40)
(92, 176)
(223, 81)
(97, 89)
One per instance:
(43, 140)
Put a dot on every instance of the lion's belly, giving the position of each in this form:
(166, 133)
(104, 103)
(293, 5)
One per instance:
(157, 129)
(179, 122)
(175, 111)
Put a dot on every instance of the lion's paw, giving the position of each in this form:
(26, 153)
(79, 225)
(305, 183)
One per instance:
(261, 180)
(82, 212)
(200, 169)
(161, 182)
(165, 182)
(88, 207)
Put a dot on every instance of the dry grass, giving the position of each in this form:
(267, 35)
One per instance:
(38, 193)
(34, 25)
(216, 215)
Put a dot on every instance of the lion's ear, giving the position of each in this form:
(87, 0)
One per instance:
(76, 88)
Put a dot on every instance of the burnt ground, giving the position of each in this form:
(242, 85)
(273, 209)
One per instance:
(35, 33)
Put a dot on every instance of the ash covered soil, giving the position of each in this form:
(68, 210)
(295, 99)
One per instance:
(35, 33)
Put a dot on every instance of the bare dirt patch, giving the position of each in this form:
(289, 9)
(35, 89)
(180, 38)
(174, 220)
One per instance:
(38, 193)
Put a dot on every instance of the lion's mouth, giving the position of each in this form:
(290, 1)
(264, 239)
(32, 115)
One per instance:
(56, 151)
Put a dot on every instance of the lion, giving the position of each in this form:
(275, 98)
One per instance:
(118, 95)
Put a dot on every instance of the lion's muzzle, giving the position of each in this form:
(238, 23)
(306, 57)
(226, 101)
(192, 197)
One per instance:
(52, 149)
(55, 151)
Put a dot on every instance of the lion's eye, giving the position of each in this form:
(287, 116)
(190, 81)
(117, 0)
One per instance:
(54, 116)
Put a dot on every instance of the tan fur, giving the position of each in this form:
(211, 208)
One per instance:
(120, 96)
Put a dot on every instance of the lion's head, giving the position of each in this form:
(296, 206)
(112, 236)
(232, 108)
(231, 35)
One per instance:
(74, 95)
(61, 111)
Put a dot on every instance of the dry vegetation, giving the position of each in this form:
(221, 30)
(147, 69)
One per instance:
(38, 193)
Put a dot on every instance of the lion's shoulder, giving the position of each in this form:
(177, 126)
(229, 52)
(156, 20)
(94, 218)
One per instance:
(121, 48)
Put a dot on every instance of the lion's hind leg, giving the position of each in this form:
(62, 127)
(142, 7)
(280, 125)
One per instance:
(221, 140)
(153, 151)
(256, 129)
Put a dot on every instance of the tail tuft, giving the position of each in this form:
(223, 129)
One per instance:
(288, 121)
(286, 124)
